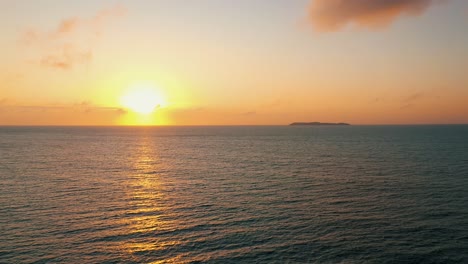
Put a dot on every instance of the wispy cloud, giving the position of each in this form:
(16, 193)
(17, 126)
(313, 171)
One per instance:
(66, 58)
(88, 107)
(250, 113)
(61, 47)
(83, 107)
(414, 97)
(104, 16)
(334, 15)
(67, 26)
(84, 113)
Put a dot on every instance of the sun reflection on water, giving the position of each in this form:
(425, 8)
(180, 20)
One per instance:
(148, 215)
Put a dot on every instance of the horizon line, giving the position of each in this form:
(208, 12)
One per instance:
(245, 125)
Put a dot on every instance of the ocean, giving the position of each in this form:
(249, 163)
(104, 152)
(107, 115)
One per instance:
(247, 194)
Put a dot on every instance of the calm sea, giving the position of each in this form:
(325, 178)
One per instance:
(358, 194)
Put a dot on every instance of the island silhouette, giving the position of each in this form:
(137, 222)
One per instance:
(318, 124)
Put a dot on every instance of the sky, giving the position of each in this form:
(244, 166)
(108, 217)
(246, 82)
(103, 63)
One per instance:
(222, 62)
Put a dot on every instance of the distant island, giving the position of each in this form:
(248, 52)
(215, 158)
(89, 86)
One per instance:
(318, 124)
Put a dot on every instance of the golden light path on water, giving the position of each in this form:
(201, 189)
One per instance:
(149, 213)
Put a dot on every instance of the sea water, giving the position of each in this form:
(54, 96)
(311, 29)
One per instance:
(251, 194)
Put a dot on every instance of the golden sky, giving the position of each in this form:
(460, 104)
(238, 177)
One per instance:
(246, 62)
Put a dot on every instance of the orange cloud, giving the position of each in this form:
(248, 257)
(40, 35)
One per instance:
(53, 114)
(67, 58)
(83, 107)
(67, 26)
(333, 15)
(56, 47)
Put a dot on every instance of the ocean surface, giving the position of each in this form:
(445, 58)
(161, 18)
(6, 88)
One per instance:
(358, 194)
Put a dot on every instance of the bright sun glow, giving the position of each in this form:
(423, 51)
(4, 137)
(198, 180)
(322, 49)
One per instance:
(142, 99)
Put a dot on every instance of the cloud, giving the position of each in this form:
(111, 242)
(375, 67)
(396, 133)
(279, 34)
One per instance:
(14, 113)
(377, 100)
(83, 107)
(67, 58)
(250, 113)
(67, 26)
(334, 15)
(105, 16)
(62, 47)
(414, 97)
(88, 107)
(406, 106)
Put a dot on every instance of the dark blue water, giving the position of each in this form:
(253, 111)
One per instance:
(359, 194)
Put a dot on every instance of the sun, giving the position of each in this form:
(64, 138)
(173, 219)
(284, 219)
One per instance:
(142, 99)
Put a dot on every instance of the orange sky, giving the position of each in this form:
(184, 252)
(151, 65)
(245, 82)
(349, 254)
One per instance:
(233, 63)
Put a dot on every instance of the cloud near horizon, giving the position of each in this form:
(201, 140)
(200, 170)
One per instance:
(85, 113)
(83, 107)
(334, 15)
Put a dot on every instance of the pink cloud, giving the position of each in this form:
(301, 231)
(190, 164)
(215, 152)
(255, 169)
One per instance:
(59, 47)
(333, 15)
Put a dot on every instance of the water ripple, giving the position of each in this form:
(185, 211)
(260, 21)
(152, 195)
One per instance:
(234, 195)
